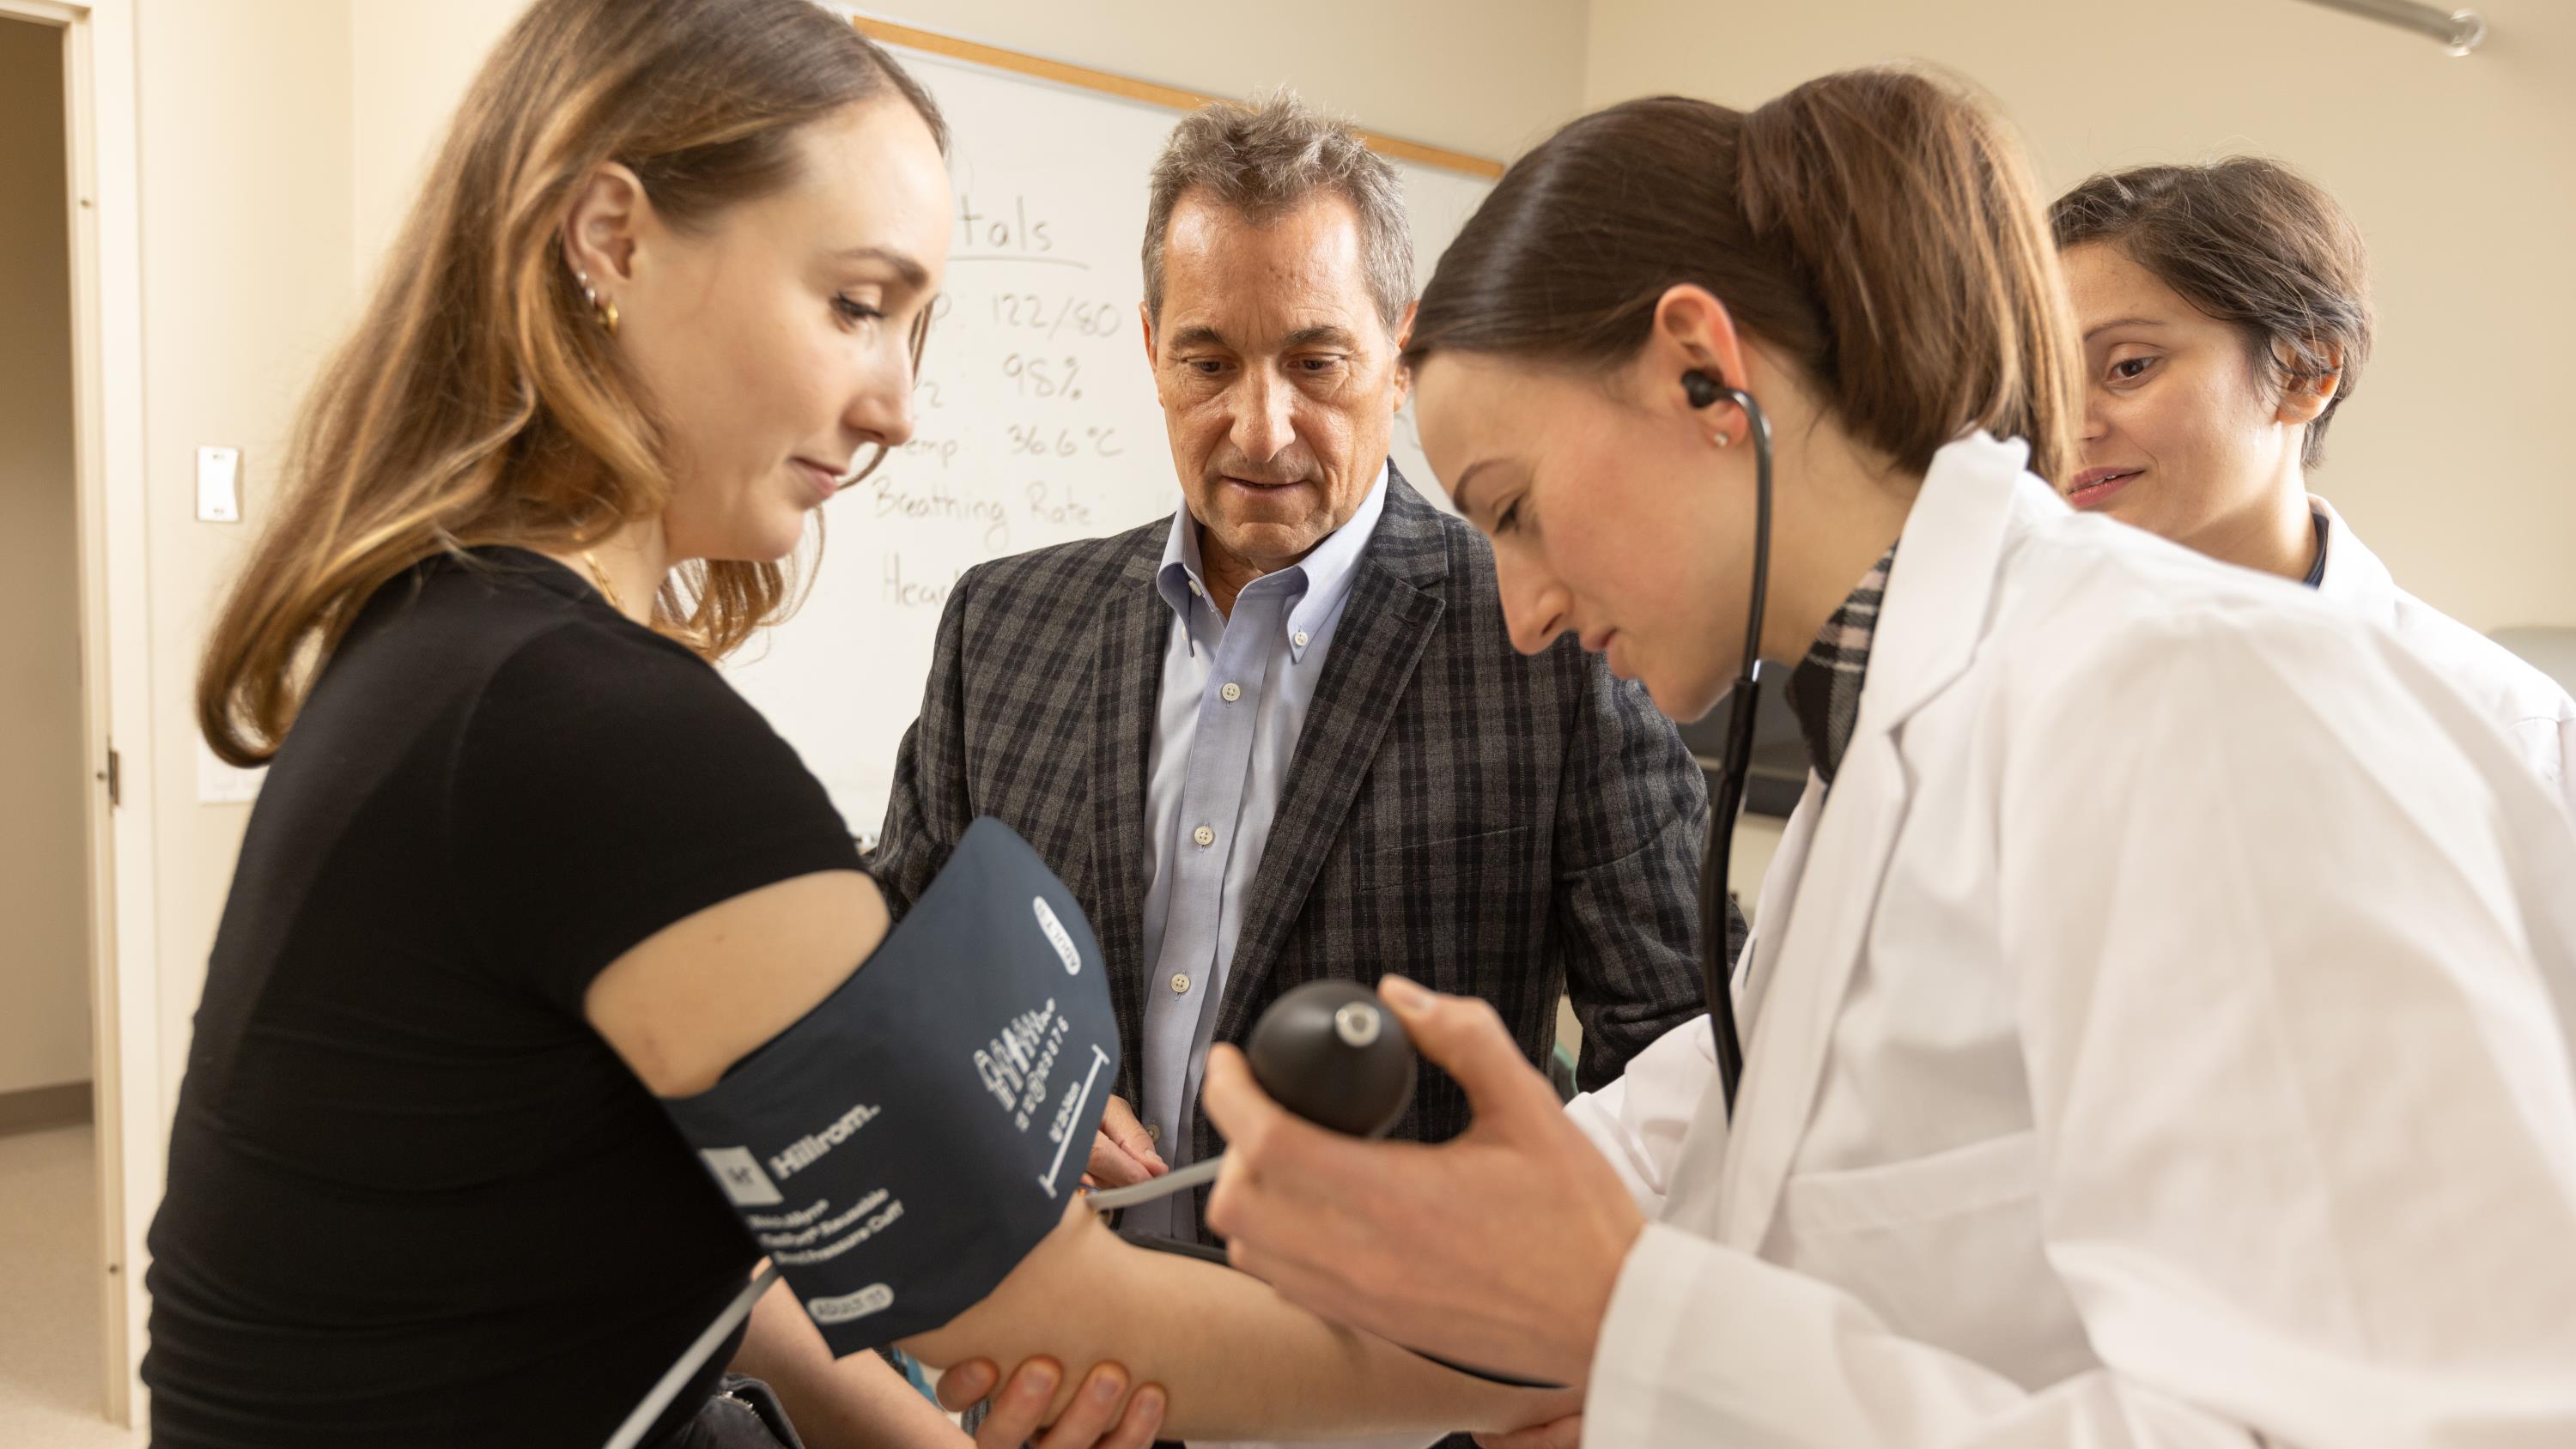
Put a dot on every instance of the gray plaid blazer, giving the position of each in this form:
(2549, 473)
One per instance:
(1486, 823)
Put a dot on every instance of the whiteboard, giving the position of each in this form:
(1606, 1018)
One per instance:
(1037, 423)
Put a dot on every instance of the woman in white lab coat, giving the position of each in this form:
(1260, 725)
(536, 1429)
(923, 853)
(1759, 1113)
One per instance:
(2225, 311)
(2156, 1015)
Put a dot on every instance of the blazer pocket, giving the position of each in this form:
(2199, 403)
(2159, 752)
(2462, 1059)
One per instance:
(1418, 863)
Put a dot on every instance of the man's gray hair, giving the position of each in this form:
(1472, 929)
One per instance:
(1264, 160)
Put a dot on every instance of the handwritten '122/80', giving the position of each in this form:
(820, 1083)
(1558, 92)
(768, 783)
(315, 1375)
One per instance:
(1051, 316)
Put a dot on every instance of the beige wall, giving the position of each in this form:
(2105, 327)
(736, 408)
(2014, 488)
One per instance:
(247, 263)
(44, 961)
(408, 66)
(2462, 173)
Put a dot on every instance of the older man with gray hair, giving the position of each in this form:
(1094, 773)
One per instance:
(1285, 735)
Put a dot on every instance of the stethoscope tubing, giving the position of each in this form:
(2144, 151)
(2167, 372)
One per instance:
(1736, 764)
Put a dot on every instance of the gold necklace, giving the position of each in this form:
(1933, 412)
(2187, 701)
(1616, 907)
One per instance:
(599, 576)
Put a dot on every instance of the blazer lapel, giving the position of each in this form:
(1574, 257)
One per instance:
(1938, 599)
(1126, 681)
(1393, 611)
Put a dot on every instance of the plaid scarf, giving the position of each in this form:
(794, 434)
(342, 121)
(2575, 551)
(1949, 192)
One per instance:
(1824, 690)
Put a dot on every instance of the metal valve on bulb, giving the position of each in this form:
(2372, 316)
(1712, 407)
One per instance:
(1328, 1051)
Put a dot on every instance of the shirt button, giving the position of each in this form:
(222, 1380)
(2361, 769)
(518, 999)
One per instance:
(1195, 589)
(1298, 638)
(1153, 1131)
(1231, 693)
(1204, 836)
(1180, 983)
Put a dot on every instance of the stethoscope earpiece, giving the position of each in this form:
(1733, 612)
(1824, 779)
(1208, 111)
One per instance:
(1702, 389)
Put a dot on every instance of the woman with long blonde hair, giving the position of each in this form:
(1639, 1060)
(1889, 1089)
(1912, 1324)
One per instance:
(611, 367)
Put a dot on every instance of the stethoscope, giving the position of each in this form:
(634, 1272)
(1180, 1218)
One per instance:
(1723, 807)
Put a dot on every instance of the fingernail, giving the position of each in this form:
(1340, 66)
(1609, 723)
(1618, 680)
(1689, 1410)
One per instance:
(1403, 995)
(1041, 1382)
(1149, 1403)
(1106, 1387)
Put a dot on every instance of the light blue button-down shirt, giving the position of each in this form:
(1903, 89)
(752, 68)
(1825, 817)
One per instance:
(1234, 699)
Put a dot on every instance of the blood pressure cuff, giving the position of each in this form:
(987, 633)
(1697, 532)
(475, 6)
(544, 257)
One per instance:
(901, 1148)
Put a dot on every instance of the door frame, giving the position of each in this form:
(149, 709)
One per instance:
(103, 221)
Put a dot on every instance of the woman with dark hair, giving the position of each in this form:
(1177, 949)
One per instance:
(2128, 1061)
(524, 863)
(2226, 316)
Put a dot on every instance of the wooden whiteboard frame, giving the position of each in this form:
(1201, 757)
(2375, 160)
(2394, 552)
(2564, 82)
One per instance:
(887, 32)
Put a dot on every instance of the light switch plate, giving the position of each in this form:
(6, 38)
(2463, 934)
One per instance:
(219, 485)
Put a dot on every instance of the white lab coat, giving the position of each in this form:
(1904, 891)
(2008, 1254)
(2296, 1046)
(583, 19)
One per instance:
(2533, 711)
(2160, 1040)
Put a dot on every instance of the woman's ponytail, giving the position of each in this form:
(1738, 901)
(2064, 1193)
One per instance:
(1876, 228)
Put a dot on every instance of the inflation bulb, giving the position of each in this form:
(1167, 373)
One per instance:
(1329, 1051)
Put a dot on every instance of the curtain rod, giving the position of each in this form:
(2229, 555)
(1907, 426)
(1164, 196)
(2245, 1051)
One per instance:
(2459, 30)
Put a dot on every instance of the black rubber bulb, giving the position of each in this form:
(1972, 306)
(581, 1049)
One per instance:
(1331, 1052)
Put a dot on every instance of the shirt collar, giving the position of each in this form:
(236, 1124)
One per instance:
(1824, 690)
(2317, 571)
(1314, 586)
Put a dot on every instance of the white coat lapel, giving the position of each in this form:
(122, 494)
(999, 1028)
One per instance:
(1819, 942)
(1753, 974)
(1703, 1157)
(1934, 614)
